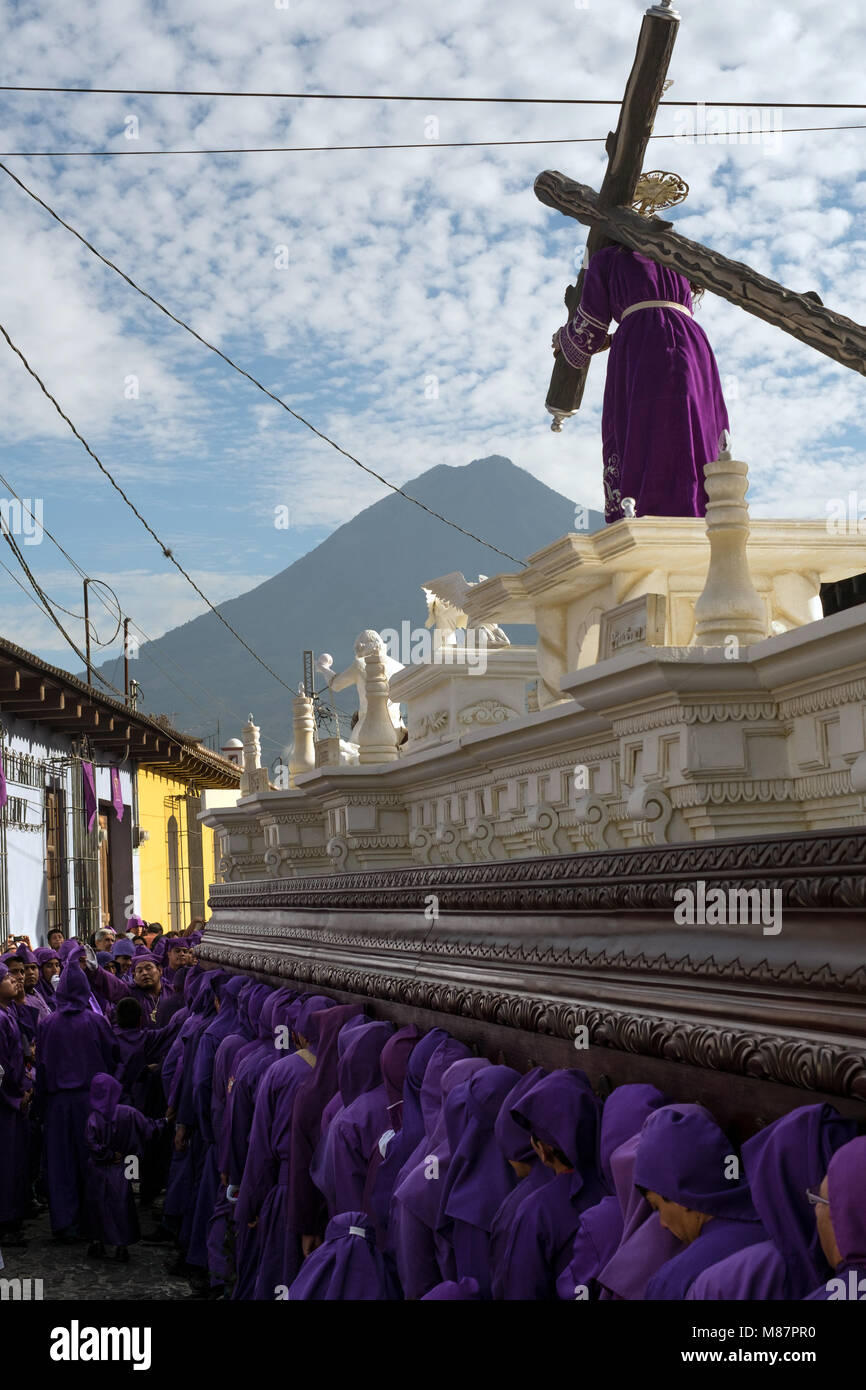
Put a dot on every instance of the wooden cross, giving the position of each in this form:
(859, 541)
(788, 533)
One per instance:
(613, 221)
(626, 147)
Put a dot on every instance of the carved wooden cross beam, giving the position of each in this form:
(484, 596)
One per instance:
(626, 147)
(801, 315)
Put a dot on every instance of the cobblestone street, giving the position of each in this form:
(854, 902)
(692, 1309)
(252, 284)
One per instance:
(67, 1273)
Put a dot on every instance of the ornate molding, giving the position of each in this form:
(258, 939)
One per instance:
(817, 870)
(570, 957)
(486, 712)
(831, 697)
(813, 1066)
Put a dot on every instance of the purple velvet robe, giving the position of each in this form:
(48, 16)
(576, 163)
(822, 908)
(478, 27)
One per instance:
(13, 1121)
(664, 411)
(305, 1209)
(73, 1045)
(271, 1257)
(407, 1121)
(418, 1249)
(478, 1180)
(464, 1290)
(222, 1027)
(780, 1162)
(357, 1131)
(846, 1193)
(645, 1244)
(347, 1267)
(43, 955)
(560, 1110)
(601, 1227)
(359, 1073)
(514, 1144)
(113, 1129)
(683, 1156)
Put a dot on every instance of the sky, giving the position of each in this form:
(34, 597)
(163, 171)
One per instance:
(401, 300)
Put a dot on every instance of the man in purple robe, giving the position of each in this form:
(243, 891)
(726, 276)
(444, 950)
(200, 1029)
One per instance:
(306, 1215)
(202, 1091)
(479, 1177)
(601, 1227)
(347, 1267)
(262, 1205)
(840, 1217)
(72, 1045)
(781, 1163)
(49, 969)
(113, 1134)
(121, 953)
(359, 1073)
(663, 411)
(407, 1129)
(687, 1170)
(561, 1114)
(419, 1250)
(645, 1245)
(15, 1095)
(357, 1131)
(529, 1171)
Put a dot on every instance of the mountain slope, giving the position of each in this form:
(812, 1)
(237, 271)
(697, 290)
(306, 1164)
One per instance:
(368, 573)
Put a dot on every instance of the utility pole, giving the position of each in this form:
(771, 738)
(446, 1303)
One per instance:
(126, 660)
(87, 634)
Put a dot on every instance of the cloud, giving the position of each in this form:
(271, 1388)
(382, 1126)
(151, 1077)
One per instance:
(400, 266)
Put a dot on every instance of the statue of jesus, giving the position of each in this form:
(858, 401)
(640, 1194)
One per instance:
(663, 405)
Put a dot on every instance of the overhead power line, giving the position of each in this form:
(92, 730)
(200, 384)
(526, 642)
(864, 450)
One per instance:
(374, 96)
(242, 371)
(163, 547)
(132, 622)
(707, 137)
(47, 605)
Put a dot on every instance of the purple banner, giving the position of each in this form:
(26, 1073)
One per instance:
(116, 793)
(4, 795)
(89, 794)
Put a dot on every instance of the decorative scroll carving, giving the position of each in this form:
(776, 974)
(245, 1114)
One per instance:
(812, 1066)
(485, 712)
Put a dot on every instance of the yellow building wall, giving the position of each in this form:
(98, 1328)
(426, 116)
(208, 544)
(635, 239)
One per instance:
(153, 877)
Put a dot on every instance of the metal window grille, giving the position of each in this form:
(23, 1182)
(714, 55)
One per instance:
(184, 859)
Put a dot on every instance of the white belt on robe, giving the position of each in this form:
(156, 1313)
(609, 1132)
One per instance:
(655, 304)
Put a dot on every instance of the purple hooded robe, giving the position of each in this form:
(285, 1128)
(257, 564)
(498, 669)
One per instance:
(846, 1193)
(43, 955)
(73, 1045)
(663, 405)
(272, 1257)
(113, 1129)
(601, 1227)
(359, 1074)
(780, 1162)
(645, 1244)
(407, 1122)
(418, 1249)
(305, 1208)
(347, 1267)
(222, 1027)
(464, 1290)
(515, 1146)
(357, 1131)
(14, 1134)
(562, 1111)
(479, 1177)
(683, 1156)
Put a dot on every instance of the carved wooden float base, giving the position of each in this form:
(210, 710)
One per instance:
(525, 958)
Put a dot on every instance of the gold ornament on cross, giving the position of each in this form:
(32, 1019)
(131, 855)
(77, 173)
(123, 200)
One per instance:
(658, 189)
